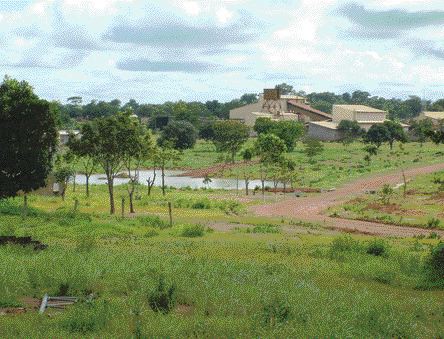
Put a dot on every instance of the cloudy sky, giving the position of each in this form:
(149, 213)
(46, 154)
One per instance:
(154, 51)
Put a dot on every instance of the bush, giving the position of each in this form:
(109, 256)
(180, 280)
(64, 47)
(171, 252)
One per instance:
(87, 317)
(163, 298)
(266, 228)
(433, 223)
(152, 221)
(276, 312)
(191, 230)
(377, 247)
(344, 243)
(436, 260)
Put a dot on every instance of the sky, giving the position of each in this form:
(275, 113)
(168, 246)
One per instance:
(169, 50)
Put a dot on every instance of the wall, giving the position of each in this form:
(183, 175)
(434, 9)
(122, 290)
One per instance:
(322, 133)
(341, 113)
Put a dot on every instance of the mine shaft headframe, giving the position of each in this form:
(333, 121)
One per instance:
(272, 102)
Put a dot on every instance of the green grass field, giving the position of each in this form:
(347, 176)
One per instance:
(422, 205)
(336, 165)
(263, 281)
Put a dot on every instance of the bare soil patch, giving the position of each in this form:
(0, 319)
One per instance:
(312, 208)
(23, 241)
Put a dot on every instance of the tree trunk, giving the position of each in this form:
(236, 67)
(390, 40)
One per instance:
(112, 208)
(131, 201)
(233, 154)
(87, 185)
(74, 183)
(25, 205)
(163, 180)
(247, 182)
(391, 145)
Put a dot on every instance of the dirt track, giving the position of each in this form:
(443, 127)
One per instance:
(312, 208)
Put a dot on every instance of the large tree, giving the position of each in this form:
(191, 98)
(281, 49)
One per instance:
(180, 135)
(420, 130)
(350, 131)
(229, 136)
(28, 138)
(112, 136)
(377, 135)
(395, 132)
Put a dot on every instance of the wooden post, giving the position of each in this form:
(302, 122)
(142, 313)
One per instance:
(123, 207)
(170, 212)
(25, 205)
(76, 204)
(74, 183)
(43, 304)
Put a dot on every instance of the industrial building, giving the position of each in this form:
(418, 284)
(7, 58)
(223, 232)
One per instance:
(273, 105)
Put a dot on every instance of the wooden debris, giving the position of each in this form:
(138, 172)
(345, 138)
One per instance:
(56, 302)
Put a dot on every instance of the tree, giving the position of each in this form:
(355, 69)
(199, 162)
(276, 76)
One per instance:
(206, 131)
(395, 132)
(180, 135)
(112, 137)
(139, 144)
(371, 150)
(247, 154)
(163, 156)
(350, 131)
(248, 98)
(386, 193)
(420, 130)
(83, 148)
(270, 150)
(313, 147)
(62, 174)
(263, 125)
(287, 172)
(229, 136)
(288, 131)
(285, 89)
(377, 135)
(28, 138)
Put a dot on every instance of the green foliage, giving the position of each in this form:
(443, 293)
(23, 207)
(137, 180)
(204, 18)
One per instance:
(433, 223)
(377, 247)
(276, 312)
(28, 138)
(152, 221)
(377, 135)
(420, 130)
(206, 131)
(229, 136)
(266, 228)
(270, 148)
(87, 317)
(386, 193)
(179, 134)
(395, 132)
(163, 298)
(189, 230)
(436, 261)
(350, 131)
(312, 148)
(288, 131)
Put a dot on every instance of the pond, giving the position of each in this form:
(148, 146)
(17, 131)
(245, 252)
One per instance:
(172, 179)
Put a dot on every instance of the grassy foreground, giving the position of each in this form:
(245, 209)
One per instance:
(257, 282)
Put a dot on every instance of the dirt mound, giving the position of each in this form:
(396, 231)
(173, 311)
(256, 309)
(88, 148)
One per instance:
(23, 241)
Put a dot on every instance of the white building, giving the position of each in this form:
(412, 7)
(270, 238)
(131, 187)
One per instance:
(364, 115)
(64, 135)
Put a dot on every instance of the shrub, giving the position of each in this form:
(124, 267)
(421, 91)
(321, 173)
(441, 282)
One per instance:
(191, 230)
(87, 317)
(433, 223)
(276, 312)
(266, 228)
(344, 243)
(152, 221)
(151, 233)
(377, 247)
(163, 298)
(436, 260)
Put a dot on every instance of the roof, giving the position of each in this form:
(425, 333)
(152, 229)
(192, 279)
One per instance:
(361, 108)
(434, 115)
(309, 108)
(326, 124)
(294, 97)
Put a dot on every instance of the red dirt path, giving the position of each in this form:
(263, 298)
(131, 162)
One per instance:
(311, 208)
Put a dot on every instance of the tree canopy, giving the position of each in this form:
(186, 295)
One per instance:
(180, 135)
(28, 138)
(229, 136)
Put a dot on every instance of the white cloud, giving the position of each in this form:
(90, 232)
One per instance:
(191, 8)
(224, 15)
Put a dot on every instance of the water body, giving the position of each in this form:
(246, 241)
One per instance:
(172, 179)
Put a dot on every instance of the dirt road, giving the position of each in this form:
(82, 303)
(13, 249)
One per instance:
(312, 208)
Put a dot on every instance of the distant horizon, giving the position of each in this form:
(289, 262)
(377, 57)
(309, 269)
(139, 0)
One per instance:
(158, 51)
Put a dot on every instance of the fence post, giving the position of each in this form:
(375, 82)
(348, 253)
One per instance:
(170, 212)
(123, 207)
(25, 205)
(76, 204)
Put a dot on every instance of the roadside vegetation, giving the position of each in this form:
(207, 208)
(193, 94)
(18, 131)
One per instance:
(420, 204)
